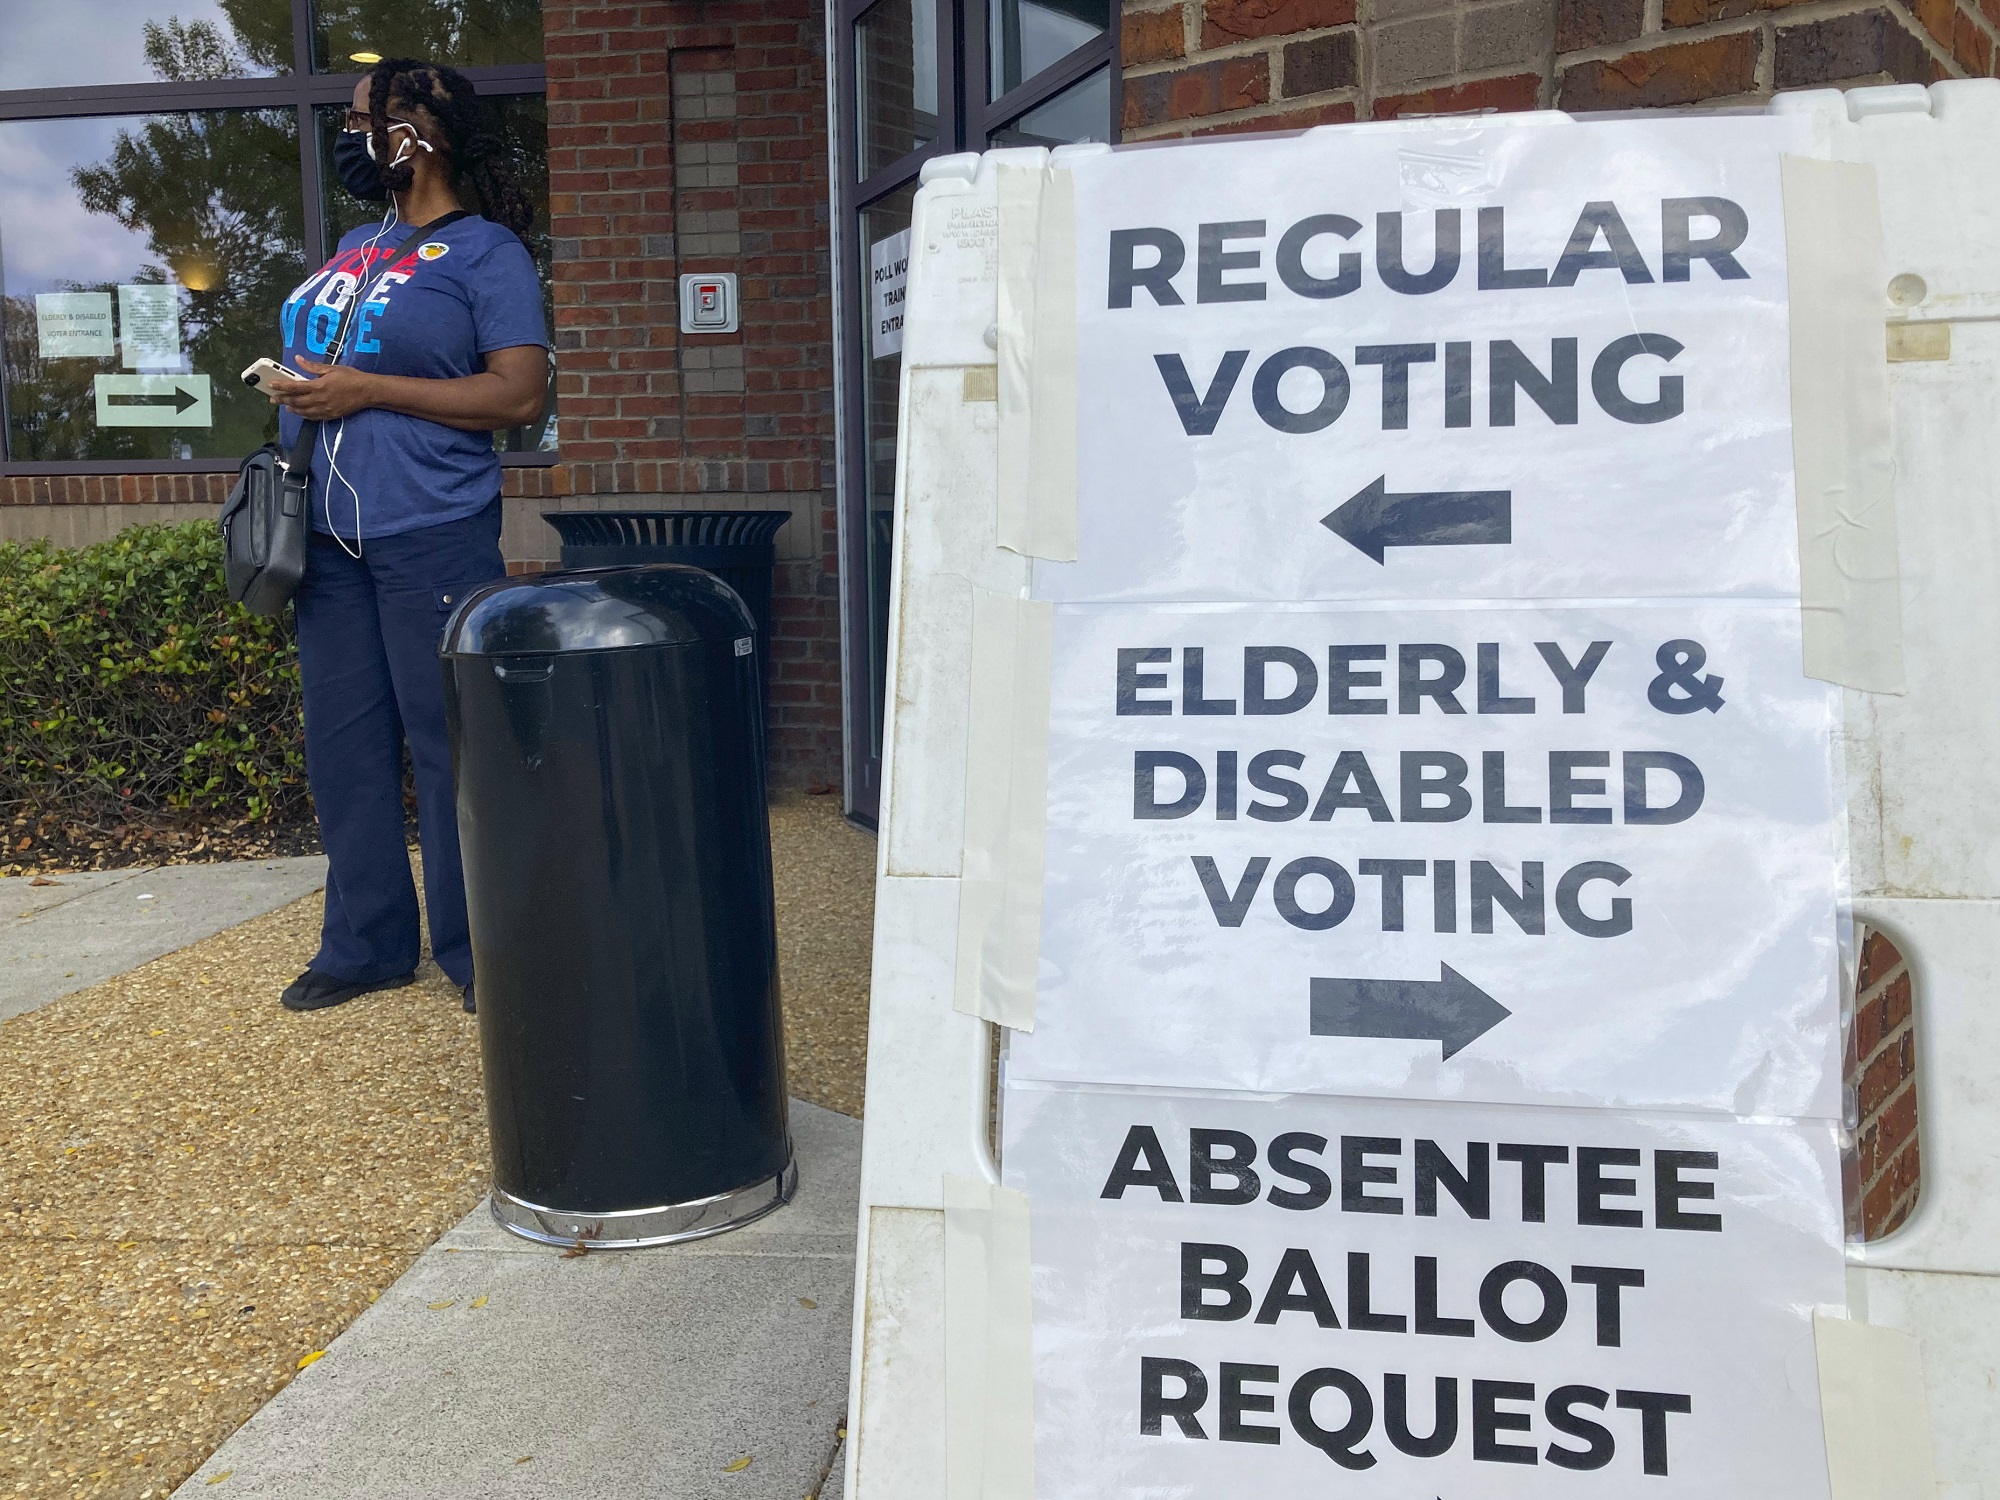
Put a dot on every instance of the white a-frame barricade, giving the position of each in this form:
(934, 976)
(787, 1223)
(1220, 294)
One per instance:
(1412, 647)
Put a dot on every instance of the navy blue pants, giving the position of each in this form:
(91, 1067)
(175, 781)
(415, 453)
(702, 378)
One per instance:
(368, 656)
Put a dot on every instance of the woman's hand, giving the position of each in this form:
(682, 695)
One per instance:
(510, 391)
(336, 391)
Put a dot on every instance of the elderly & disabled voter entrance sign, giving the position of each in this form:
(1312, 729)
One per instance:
(1433, 1082)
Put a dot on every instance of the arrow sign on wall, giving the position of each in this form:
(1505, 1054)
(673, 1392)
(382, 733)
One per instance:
(1375, 520)
(154, 401)
(1450, 1009)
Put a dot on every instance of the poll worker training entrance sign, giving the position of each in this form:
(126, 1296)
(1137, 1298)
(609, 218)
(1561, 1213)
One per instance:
(1433, 1086)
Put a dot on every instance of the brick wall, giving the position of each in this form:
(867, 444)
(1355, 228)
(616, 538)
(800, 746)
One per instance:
(691, 137)
(1200, 67)
(1884, 1170)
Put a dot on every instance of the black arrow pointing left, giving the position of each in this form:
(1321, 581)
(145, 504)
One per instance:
(1450, 1009)
(1375, 519)
(180, 398)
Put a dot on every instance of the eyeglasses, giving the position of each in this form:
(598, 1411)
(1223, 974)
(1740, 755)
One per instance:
(356, 121)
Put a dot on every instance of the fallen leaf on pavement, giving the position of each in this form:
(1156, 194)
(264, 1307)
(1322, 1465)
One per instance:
(317, 1354)
(479, 1301)
(736, 1465)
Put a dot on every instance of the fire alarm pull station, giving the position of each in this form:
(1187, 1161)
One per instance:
(708, 302)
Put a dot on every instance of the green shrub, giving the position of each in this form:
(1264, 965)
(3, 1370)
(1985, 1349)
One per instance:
(132, 690)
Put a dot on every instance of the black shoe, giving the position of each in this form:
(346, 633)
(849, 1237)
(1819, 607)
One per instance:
(313, 990)
(471, 1008)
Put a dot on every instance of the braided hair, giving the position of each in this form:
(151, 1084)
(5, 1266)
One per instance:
(473, 151)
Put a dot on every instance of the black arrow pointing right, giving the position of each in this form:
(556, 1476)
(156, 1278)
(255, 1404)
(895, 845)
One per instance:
(180, 399)
(1450, 1009)
(1375, 520)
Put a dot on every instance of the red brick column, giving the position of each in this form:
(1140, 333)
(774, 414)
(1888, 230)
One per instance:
(691, 137)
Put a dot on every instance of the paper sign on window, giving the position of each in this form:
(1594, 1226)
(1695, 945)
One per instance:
(149, 321)
(888, 282)
(74, 325)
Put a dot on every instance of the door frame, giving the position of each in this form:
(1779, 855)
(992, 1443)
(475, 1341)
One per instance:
(965, 120)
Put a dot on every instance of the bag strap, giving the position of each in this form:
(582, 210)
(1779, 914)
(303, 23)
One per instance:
(299, 460)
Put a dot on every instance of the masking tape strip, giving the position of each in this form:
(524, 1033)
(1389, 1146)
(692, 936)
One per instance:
(1052, 394)
(989, 1372)
(1871, 1401)
(1850, 586)
(1037, 357)
(1006, 809)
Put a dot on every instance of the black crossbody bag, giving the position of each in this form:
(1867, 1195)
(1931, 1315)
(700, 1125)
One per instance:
(264, 522)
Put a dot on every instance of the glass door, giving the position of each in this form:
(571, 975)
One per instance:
(915, 79)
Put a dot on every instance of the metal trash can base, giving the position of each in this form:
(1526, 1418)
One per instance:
(636, 1228)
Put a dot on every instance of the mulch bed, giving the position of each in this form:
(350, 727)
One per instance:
(48, 845)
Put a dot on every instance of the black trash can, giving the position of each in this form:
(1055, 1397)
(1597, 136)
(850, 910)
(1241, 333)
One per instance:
(737, 546)
(608, 739)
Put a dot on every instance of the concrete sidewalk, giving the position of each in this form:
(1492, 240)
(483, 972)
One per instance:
(205, 1187)
(497, 1367)
(70, 932)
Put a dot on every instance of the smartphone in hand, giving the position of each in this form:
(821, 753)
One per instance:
(265, 369)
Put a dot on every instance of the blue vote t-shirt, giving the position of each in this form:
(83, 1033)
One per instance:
(433, 311)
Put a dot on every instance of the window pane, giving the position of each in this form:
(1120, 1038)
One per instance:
(145, 259)
(349, 35)
(895, 81)
(522, 123)
(1030, 35)
(1081, 112)
(66, 43)
(884, 242)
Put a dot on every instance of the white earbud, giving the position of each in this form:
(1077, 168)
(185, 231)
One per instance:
(401, 145)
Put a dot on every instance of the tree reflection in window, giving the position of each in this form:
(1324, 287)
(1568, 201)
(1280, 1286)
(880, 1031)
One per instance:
(213, 197)
(205, 202)
(464, 33)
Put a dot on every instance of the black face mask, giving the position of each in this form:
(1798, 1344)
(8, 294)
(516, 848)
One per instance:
(356, 167)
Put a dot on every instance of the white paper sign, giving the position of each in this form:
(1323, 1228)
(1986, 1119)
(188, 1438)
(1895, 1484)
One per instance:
(74, 325)
(154, 401)
(888, 284)
(1429, 747)
(1328, 1297)
(149, 324)
(1523, 358)
(1581, 856)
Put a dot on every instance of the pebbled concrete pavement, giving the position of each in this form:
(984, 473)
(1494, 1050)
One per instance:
(496, 1367)
(70, 932)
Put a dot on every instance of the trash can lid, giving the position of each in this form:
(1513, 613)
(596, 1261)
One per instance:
(597, 609)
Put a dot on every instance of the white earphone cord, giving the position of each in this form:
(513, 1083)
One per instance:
(340, 428)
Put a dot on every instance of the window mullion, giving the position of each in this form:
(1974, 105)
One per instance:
(1052, 80)
(314, 223)
(302, 24)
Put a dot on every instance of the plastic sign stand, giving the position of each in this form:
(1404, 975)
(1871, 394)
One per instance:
(1558, 1250)
(1923, 844)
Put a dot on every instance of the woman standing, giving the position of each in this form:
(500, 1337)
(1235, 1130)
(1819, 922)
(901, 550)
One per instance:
(446, 345)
